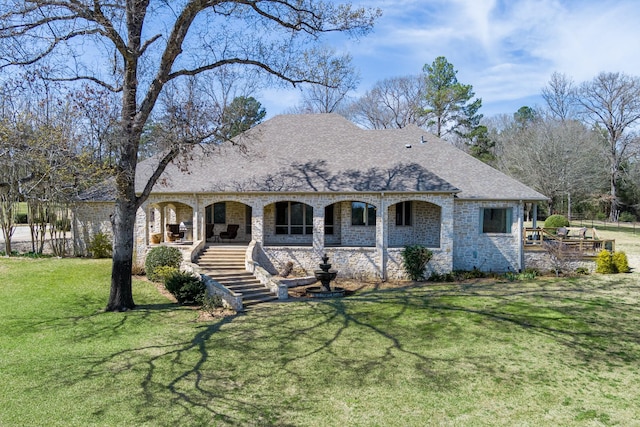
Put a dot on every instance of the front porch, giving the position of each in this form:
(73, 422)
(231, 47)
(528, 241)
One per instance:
(363, 237)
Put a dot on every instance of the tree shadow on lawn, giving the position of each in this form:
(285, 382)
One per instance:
(234, 371)
(598, 320)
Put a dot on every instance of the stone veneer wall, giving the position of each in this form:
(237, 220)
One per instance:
(424, 229)
(541, 261)
(485, 251)
(89, 219)
(440, 263)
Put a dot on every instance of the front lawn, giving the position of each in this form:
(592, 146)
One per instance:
(547, 352)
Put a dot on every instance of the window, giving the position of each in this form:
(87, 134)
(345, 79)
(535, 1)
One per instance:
(294, 218)
(363, 214)
(403, 213)
(496, 220)
(328, 220)
(219, 213)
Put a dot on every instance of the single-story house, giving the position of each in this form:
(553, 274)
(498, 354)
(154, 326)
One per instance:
(300, 186)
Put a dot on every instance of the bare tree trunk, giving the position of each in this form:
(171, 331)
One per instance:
(123, 220)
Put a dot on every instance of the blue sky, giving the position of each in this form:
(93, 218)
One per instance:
(506, 49)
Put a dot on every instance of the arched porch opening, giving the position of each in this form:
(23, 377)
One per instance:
(170, 222)
(228, 216)
(414, 222)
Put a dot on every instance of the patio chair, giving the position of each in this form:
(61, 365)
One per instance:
(231, 233)
(562, 232)
(174, 233)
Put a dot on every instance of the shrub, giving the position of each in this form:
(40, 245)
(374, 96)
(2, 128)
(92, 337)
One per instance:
(414, 259)
(627, 217)
(555, 221)
(162, 256)
(163, 272)
(211, 303)
(187, 289)
(582, 270)
(100, 246)
(21, 218)
(604, 263)
(621, 262)
(601, 216)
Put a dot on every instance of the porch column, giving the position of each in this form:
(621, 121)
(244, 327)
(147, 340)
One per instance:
(535, 216)
(318, 230)
(197, 219)
(382, 236)
(257, 223)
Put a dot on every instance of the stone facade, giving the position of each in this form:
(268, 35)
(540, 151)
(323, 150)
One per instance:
(498, 252)
(88, 220)
(451, 228)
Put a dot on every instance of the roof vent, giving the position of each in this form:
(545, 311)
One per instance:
(422, 141)
(407, 146)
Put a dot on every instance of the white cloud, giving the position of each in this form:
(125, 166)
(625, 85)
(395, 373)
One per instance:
(507, 49)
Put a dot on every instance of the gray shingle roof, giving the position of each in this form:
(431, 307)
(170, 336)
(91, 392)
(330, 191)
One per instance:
(327, 153)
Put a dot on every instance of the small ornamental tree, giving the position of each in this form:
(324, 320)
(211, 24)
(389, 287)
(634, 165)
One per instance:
(100, 246)
(561, 256)
(414, 260)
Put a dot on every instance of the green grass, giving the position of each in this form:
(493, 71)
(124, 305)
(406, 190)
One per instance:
(546, 352)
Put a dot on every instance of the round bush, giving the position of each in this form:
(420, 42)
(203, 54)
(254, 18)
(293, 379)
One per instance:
(555, 221)
(621, 262)
(604, 263)
(187, 289)
(161, 256)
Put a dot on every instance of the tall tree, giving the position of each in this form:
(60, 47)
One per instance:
(449, 104)
(559, 95)
(146, 44)
(392, 103)
(337, 75)
(612, 101)
(242, 114)
(555, 157)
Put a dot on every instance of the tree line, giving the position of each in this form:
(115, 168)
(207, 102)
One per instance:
(581, 148)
